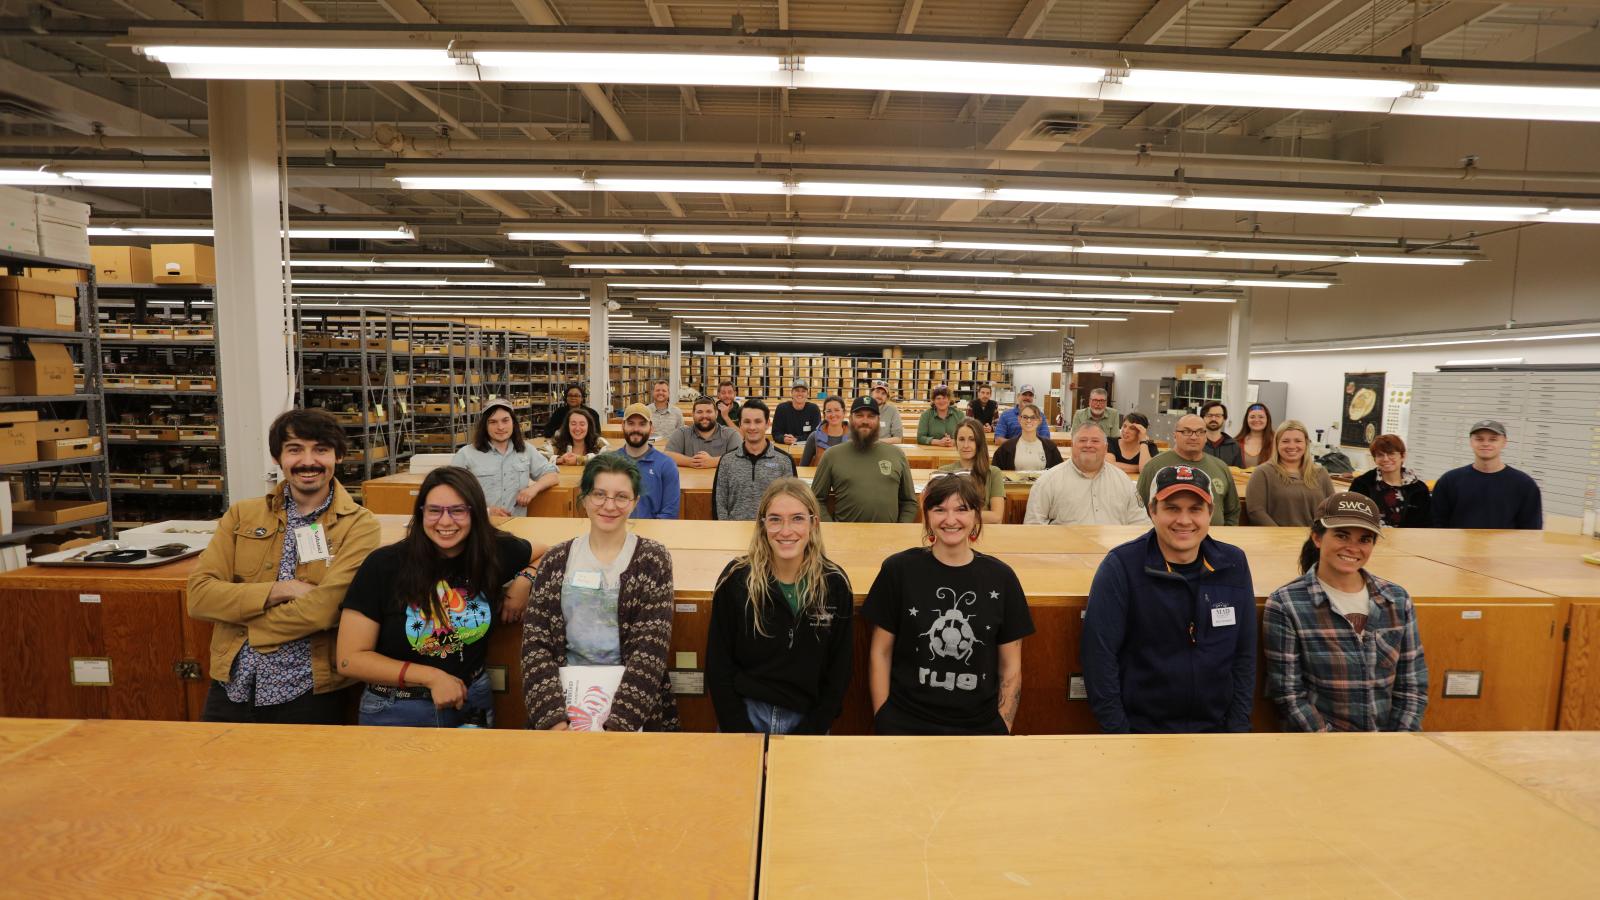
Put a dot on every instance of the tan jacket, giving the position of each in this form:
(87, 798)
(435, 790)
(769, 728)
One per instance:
(232, 578)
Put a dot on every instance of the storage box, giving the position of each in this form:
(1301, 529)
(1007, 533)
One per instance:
(38, 303)
(121, 265)
(55, 429)
(72, 276)
(54, 512)
(183, 264)
(69, 448)
(47, 373)
(19, 437)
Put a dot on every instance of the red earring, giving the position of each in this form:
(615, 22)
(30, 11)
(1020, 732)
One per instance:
(973, 537)
(930, 537)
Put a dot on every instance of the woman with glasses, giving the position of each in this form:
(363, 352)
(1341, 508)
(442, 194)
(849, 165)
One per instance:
(972, 448)
(1027, 452)
(579, 440)
(778, 653)
(603, 598)
(1402, 497)
(947, 627)
(1255, 438)
(833, 431)
(417, 616)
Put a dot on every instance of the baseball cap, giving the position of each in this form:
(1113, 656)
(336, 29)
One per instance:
(1350, 510)
(797, 383)
(1173, 479)
(636, 409)
(1025, 389)
(1488, 425)
(502, 402)
(866, 403)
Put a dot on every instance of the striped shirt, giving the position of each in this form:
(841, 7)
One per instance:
(1324, 674)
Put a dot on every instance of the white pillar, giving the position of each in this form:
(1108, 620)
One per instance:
(675, 357)
(994, 351)
(599, 348)
(252, 335)
(1236, 389)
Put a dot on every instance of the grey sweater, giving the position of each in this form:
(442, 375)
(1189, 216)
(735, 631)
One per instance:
(742, 479)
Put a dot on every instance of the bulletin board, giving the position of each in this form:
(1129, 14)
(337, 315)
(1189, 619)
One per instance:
(1361, 408)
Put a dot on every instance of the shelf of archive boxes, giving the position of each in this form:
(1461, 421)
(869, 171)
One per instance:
(443, 414)
(632, 372)
(187, 340)
(358, 365)
(68, 478)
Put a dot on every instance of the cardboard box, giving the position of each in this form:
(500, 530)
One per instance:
(74, 276)
(16, 429)
(54, 512)
(55, 429)
(36, 303)
(47, 373)
(69, 448)
(122, 265)
(183, 264)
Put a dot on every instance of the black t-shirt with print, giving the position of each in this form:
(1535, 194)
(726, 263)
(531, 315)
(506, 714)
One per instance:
(408, 635)
(948, 623)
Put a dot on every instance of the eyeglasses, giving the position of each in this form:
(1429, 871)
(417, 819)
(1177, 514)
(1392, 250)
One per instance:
(1029, 418)
(1190, 432)
(599, 498)
(456, 513)
(777, 523)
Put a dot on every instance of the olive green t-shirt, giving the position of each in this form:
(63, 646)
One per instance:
(994, 487)
(1224, 494)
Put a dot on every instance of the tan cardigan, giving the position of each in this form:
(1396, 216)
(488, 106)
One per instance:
(1274, 497)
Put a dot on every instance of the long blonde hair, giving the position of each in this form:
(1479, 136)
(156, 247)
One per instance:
(814, 564)
(1308, 466)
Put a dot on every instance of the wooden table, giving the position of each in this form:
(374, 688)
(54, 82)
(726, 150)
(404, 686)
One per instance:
(184, 809)
(1165, 816)
(1561, 767)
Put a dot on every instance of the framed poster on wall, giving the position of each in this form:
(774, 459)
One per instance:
(1361, 415)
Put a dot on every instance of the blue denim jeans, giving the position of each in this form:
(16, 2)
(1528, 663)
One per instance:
(419, 712)
(769, 718)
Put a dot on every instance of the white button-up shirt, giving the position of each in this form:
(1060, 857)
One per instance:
(1066, 496)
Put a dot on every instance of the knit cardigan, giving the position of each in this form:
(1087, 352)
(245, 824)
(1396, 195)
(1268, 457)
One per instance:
(644, 701)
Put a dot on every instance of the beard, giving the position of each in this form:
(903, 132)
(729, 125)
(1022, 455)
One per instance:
(636, 439)
(705, 427)
(863, 436)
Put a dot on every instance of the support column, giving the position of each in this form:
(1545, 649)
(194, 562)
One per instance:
(252, 331)
(599, 348)
(994, 351)
(1236, 389)
(675, 357)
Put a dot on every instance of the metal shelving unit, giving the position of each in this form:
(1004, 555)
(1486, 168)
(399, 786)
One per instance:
(164, 411)
(65, 478)
(358, 366)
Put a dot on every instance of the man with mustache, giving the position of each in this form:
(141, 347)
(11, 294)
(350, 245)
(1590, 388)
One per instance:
(870, 481)
(272, 579)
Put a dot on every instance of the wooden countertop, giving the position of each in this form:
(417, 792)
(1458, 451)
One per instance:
(1192, 816)
(1560, 766)
(178, 809)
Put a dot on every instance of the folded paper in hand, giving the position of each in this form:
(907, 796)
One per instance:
(589, 691)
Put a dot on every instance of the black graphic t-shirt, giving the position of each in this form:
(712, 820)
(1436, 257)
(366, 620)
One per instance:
(409, 634)
(948, 623)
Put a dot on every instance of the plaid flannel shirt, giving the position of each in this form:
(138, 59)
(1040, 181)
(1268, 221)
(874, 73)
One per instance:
(1324, 676)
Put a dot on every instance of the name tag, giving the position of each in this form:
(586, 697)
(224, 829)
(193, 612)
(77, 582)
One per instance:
(1222, 615)
(805, 426)
(591, 580)
(311, 543)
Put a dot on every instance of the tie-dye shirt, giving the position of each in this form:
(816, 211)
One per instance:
(407, 632)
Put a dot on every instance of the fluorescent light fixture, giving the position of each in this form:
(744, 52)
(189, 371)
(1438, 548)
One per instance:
(421, 282)
(374, 232)
(1250, 90)
(33, 178)
(669, 237)
(861, 189)
(1574, 216)
(1266, 204)
(1448, 211)
(1413, 260)
(311, 63)
(692, 185)
(632, 68)
(1504, 101)
(1501, 361)
(823, 241)
(393, 262)
(712, 303)
(1279, 257)
(1083, 198)
(618, 237)
(911, 272)
(947, 76)
(491, 183)
(121, 231)
(142, 179)
(1142, 251)
(1448, 343)
(930, 290)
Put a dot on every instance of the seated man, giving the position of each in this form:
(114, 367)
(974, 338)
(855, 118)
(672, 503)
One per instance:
(1098, 412)
(1188, 443)
(1219, 443)
(700, 445)
(1488, 493)
(743, 474)
(936, 427)
(658, 474)
(1169, 638)
(1008, 426)
(794, 421)
(1086, 491)
(271, 580)
(870, 481)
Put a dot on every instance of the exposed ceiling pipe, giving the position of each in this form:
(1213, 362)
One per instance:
(783, 154)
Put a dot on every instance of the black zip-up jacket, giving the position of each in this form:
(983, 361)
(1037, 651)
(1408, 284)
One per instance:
(1416, 503)
(801, 666)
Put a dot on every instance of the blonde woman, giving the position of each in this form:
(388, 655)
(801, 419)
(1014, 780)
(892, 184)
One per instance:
(1287, 489)
(778, 652)
(973, 449)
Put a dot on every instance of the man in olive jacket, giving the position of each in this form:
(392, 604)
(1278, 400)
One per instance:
(272, 579)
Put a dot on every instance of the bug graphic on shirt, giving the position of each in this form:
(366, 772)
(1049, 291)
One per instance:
(951, 636)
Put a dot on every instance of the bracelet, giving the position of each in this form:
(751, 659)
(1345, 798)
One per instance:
(403, 667)
(528, 575)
